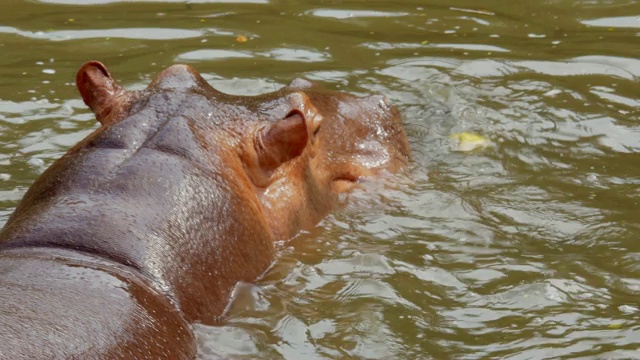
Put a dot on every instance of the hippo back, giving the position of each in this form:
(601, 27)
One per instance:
(145, 193)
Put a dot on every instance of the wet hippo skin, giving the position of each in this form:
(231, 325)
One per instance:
(145, 226)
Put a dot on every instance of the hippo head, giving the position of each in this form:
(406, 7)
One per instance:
(292, 151)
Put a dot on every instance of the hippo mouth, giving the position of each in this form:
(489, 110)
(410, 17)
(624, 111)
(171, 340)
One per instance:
(347, 178)
(345, 182)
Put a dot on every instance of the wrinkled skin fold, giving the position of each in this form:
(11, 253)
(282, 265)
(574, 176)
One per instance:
(145, 226)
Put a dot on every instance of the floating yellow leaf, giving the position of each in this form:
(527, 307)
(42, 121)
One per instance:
(241, 39)
(466, 141)
(615, 326)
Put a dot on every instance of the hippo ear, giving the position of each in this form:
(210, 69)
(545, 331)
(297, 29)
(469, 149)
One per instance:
(281, 141)
(97, 88)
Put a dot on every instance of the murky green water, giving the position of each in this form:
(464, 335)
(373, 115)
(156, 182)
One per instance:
(528, 249)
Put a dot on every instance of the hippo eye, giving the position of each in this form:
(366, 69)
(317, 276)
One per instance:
(315, 132)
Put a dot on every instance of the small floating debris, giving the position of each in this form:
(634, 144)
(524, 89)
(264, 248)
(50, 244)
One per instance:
(466, 141)
(241, 39)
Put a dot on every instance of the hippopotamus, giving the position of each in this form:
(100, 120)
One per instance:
(143, 228)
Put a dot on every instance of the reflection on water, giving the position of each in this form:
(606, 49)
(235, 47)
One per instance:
(523, 250)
